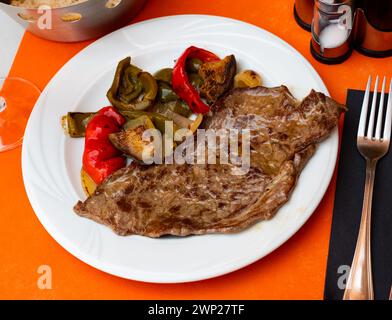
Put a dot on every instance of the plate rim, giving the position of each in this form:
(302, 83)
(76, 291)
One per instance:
(152, 277)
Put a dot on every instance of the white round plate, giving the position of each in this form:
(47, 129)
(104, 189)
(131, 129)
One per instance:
(51, 161)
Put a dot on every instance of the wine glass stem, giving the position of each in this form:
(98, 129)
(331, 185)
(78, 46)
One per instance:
(3, 104)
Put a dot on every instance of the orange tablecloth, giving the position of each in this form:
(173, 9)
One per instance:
(294, 271)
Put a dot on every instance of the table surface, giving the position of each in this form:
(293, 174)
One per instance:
(295, 271)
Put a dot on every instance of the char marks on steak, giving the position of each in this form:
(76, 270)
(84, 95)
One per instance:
(182, 200)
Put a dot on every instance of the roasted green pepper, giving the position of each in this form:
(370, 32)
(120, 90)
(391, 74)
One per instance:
(193, 65)
(181, 108)
(75, 123)
(132, 89)
(164, 75)
(166, 93)
(178, 106)
(142, 121)
(157, 119)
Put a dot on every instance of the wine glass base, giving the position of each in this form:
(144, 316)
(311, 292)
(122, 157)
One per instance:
(17, 99)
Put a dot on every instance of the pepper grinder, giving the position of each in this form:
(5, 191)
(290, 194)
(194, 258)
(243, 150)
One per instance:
(331, 30)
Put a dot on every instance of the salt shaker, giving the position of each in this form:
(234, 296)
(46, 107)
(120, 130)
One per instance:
(331, 30)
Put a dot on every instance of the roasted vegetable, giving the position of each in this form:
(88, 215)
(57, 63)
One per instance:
(75, 123)
(130, 86)
(164, 75)
(179, 120)
(217, 77)
(178, 106)
(187, 123)
(196, 123)
(100, 157)
(166, 93)
(247, 78)
(80, 119)
(195, 80)
(181, 83)
(157, 118)
(193, 65)
(184, 122)
(130, 140)
(132, 89)
(88, 183)
(150, 87)
(143, 120)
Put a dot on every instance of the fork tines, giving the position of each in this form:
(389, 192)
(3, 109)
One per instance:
(370, 132)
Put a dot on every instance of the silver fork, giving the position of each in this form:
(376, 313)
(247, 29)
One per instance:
(372, 146)
(390, 295)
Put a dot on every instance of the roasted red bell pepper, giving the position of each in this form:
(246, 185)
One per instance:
(100, 157)
(180, 81)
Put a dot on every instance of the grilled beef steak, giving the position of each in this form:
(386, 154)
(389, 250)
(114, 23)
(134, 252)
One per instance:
(198, 199)
(280, 125)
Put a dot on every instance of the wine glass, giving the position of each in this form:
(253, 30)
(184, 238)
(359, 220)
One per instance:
(17, 99)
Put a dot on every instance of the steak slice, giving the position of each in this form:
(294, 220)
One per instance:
(182, 200)
(280, 125)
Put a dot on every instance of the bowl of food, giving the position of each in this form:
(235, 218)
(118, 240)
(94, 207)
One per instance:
(71, 20)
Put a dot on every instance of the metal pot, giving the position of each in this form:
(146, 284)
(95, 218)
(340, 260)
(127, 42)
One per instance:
(79, 22)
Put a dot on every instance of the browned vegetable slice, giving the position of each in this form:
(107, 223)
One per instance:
(130, 141)
(247, 79)
(196, 123)
(88, 183)
(218, 77)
